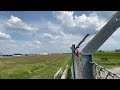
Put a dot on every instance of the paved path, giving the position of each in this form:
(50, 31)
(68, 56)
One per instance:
(115, 70)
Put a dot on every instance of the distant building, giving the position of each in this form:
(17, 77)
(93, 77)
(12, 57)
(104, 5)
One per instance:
(117, 50)
(7, 55)
(100, 51)
(45, 54)
(17, 54)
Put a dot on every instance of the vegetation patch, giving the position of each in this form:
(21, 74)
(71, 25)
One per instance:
(32, 67)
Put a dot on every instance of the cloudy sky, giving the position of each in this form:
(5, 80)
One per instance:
(51, 31)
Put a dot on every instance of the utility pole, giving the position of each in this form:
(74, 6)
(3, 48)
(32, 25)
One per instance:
(96, 42)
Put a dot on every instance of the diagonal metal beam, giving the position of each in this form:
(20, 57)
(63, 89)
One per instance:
(103, 34)
(96, 42)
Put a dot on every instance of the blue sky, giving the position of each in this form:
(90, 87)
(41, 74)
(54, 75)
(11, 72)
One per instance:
(50, 31)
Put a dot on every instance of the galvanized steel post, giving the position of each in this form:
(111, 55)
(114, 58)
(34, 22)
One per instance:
(73, 54)
(87, 67)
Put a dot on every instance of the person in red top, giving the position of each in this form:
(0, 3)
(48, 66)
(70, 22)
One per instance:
(77, 53)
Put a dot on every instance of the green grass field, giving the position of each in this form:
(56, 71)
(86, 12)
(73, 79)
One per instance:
(45, 66)
(113, 59)
(32, 67)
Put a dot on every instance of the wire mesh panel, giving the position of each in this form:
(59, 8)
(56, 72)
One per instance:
(78, 68)
(103, 73)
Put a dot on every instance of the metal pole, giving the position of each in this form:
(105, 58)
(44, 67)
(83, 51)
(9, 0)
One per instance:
(81, 41)
(73, 53)
(87, 67)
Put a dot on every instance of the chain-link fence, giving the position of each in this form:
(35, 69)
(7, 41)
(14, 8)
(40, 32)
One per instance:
(77, 68)
(103, 73)
(98, 71)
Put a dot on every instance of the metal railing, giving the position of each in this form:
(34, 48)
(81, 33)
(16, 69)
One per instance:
(103, 73)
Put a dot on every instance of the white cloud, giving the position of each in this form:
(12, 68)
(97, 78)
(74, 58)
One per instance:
(38, 42)
(69, 29)
(50, 36)
(87, 22)
(15, 23)
(117, 33)
(4, 36)
(13, 46)
(71, 20)
(79, 25)
(74, 28)
(24, 44)
(15, 20)
(105, 14)
(32, 44)
(111, 44)
(62, 40)
(54, 27)
(65, 17)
